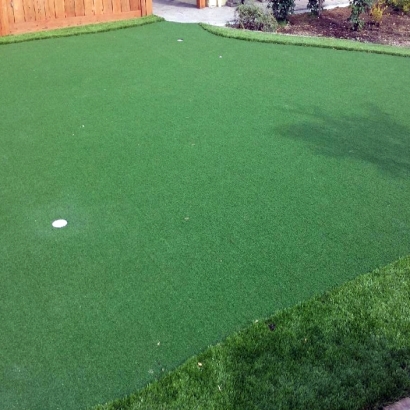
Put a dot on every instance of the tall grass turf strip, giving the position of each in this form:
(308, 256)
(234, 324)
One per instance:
(346, 349)
(307, 41)
(206, 183)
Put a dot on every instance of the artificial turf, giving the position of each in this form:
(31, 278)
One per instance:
(346, 349)
(206, 183)
(307, 41)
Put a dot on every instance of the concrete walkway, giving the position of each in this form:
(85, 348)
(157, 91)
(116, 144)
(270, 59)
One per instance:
(186, 11)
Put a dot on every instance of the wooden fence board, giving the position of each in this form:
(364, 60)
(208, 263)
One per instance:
(98, 7)
(29, 10)
(39, 10)
(135, 5)
(10, 11)
(107, 6)
(4, 19)
(125, 6)
(142, 7)
(49, 9)
(59, 9)
(116, 6)
(79, 8)
(18, 11)
(148, 7)
(69, 7)
(88, 8)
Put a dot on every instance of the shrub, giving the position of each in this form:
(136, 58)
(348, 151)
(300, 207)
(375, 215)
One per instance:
(377, 10)
(400, 5)
(281, 8)
(251, 17)
(358, 7)
(315, 7)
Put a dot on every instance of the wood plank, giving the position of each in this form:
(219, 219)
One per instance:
(49, 9)
(98, 7)
(39, 10)
(88, 8)
(135, 5)
(79, 8)
(116, 6)
(69, 8)
(59, 9)
(4, 19)
(125, 6)
(10, 11)
(148, 7)
(71, 21)
(18, 11)
(107, 7)
(29, 10)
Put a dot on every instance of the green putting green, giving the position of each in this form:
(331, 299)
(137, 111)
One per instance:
(206, 183)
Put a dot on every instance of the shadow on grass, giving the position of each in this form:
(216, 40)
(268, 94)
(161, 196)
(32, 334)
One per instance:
(374, 137)
(348, 367)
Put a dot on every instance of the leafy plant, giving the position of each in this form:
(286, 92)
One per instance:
(281, 8)
(377, 10)
(400, 5)
(315, 7)
(358, 7)
(252, 17)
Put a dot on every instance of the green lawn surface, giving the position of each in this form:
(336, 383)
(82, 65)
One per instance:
(348, 348)
(206, 183)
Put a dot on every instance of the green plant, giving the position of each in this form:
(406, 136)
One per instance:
(358, 7)
(252, 17)
(376, 12)
(315, 7)
(281, 8)
(400, 5)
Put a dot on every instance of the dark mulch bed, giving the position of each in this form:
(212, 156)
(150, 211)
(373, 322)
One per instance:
(394, 29)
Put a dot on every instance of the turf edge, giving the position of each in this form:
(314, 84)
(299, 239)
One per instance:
(347, 348)
(77, 30)
(323, 42)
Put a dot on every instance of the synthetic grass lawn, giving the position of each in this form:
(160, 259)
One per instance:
(346, 349)
(206, 183)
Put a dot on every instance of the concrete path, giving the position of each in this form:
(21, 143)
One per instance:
(186, 11)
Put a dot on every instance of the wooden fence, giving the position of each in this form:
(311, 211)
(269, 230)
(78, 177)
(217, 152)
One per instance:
(22, 16)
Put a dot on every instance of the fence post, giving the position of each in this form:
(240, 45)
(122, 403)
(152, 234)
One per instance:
(4, 19)
(148, 8)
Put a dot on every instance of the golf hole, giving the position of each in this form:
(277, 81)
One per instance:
(59, 223)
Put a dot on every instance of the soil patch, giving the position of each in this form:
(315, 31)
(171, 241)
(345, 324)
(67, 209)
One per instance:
(394, 29)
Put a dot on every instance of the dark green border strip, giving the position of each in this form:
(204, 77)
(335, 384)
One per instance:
(323, 42)
(77, 30)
